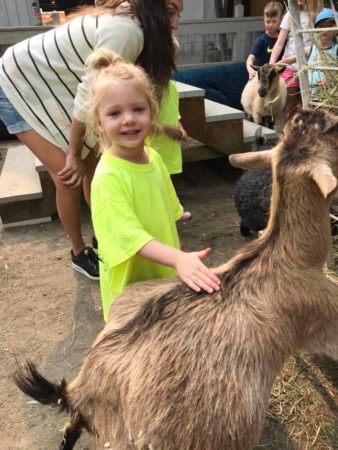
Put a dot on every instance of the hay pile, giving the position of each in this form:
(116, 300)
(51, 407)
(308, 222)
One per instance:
(303, 408)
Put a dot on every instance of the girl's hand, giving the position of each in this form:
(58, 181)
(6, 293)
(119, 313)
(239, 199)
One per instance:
(194, 273)
(184, 136)
(174, 132)
(71, 175)
(322, 84)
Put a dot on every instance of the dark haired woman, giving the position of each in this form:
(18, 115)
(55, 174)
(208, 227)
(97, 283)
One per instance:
(43, 88)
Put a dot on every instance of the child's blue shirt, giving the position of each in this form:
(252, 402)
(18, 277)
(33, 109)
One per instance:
(262, 48)
(322, 57)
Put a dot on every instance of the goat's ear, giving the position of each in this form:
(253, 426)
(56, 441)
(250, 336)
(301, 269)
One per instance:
(330, 122)
(324, 178)
(254, 67)
(252, 160)
(280, 67)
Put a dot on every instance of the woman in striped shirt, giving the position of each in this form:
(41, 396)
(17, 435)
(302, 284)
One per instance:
(44, 85)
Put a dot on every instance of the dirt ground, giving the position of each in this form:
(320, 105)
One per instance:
(51, 315)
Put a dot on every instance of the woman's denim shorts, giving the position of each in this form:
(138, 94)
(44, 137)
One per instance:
(10, 117)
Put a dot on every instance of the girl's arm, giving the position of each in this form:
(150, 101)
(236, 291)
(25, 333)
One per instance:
(278, 47)
(249, 63)
(189, 266)
(72, 174)
(292, 58)
(288, 60)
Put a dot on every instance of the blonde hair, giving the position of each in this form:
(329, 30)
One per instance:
(314, 6)
(104, 67)
(273, 9)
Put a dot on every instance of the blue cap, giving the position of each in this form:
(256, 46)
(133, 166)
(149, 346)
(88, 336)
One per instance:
(324, 14)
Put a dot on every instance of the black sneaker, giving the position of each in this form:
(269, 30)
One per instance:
(86, 263)
(95, 244)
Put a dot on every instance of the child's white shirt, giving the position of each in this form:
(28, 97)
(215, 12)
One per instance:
(290, 43)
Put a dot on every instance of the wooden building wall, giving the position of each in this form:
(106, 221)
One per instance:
(16, 13)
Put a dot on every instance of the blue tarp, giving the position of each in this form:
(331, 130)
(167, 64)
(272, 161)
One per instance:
(222, 84)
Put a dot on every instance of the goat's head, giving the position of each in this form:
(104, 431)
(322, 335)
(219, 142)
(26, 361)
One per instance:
(308, 146)
(268, 77)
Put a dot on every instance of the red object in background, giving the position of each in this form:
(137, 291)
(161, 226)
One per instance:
(53, 17)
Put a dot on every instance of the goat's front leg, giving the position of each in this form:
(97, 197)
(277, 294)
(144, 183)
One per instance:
(257, 118)
(270, 122)
(71, 432)
(325, 339)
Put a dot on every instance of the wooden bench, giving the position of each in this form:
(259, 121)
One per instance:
(26, 196)
(249, 131)
(217, 127)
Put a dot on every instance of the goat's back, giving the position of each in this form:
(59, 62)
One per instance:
(173, 377)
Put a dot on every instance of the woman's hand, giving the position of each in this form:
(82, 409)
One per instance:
(194, 273)
(71, 175)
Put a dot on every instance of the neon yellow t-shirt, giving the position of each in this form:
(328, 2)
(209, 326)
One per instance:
(131, 204)
(168, 148)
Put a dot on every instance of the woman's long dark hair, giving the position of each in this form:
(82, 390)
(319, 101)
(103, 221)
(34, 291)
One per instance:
(158, 54)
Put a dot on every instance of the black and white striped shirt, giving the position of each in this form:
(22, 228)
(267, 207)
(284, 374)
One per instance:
(44, 76)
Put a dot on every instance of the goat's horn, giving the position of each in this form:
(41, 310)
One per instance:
(252, 160)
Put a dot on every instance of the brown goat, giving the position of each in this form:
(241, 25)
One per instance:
(178, 370)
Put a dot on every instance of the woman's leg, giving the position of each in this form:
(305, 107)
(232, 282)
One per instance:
(68, 201)
(90, 163)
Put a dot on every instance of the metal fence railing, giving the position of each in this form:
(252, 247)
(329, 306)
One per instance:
(201, 41)
(216, 40)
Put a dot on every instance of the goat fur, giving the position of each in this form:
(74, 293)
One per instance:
(174, 369)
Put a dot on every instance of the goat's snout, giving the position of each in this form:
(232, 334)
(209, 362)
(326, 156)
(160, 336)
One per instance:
(262, 92)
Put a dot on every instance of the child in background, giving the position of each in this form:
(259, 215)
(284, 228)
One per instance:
(134, 204)
(166, 141)
(170, 131)
(325, 55)
(286, 39)
(262, 47)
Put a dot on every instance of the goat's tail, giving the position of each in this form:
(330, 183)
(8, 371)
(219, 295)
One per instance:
(32, 383)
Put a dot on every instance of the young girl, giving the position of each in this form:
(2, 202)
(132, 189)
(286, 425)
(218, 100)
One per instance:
(43, 87)
(134, 204)
(325, 53)
(286, 38)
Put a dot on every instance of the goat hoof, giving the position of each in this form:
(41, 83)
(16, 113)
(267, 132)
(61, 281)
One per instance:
(63, 445)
